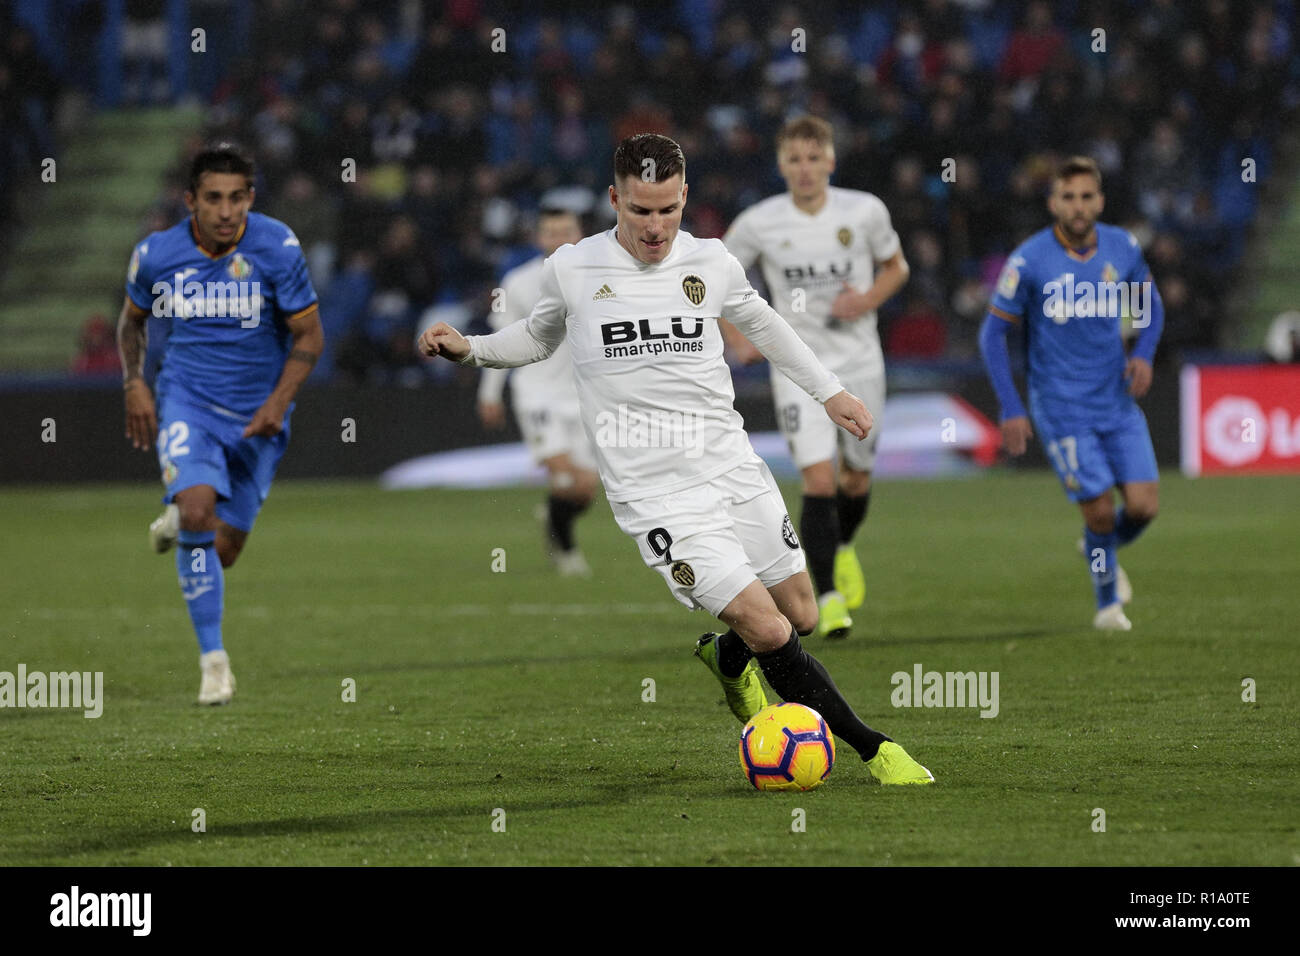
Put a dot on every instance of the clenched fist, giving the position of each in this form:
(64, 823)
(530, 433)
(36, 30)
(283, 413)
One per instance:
(442, 339)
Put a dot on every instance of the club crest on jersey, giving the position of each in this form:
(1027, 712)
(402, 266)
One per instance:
(787, 534)
(1009, 282)
(845, 236)
(1109, 273)
(693, 289)
(169, 473)
(683, 574)
(134, 268)
(239, 268)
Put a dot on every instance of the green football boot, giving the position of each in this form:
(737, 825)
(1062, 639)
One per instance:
(744, 694)
(848, 576)
(833, 619)
(891, 764)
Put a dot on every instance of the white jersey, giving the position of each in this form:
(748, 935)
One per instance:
(546, 384)
(818, 254)
(654, 390)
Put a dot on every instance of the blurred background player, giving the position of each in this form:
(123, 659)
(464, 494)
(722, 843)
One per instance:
(545, 402)
(639, 306)
(819, 245)
(1072, 284)
(245, 334)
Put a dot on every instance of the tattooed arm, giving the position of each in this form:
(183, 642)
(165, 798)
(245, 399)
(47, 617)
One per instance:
(308, 340)
(132, 341)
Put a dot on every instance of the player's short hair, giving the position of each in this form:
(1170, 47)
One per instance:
(807, 127)
(221, 156)
(665, 158)
(1079, 166)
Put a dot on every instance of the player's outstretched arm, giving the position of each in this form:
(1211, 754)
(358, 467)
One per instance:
(132, 343)
(847, 410)
(308, 341)
(442, 339)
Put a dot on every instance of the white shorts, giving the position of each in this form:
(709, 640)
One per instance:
(549, 431)
(709, 542)
(811, 434)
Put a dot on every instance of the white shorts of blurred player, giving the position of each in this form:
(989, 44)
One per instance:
(551, 430)
(811, 434)
(710, 541)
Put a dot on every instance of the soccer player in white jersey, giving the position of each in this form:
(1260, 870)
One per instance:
(545, 402)
(639, 306)
(830, 258)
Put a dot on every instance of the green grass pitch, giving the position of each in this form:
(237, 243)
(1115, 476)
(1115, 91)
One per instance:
(521, 691)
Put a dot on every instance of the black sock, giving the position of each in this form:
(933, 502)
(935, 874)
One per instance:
(1127, 527)
(852, 510)
(561, 513)
(820, 534)
(733, 654)
(800, 679)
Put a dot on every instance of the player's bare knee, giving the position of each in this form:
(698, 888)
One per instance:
(1143, 509)
(804, 619)
(819, 487)
(1100, 522)
(765, 635)
(855, 484)
(197, 515)
(1099, 514)
(567, 483)
(801, 611)
(1145, 512)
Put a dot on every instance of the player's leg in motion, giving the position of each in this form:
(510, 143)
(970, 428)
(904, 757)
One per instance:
(202, 553)
(571, 492)
(1141, 505)
(852, 498)
(820, 533)
(759, 628)
(1100, 543)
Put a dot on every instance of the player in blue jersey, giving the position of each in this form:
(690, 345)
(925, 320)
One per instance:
(1072, 285)
(245, 333)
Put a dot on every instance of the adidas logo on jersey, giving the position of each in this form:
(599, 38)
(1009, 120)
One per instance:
(604, 292)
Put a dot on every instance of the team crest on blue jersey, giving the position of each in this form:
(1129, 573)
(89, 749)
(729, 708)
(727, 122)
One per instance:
(1109, 273)
(134, 268)
(1009, 281)
(845, 236)
(169, 472)
(239, 268)
(693, 289)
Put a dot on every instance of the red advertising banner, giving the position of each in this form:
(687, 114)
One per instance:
(1240, 419)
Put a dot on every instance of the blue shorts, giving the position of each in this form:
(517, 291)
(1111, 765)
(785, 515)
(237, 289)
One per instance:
(198, 445)
(1091, 458)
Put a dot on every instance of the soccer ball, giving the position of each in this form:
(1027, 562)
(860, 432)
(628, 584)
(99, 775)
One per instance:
(787, 747)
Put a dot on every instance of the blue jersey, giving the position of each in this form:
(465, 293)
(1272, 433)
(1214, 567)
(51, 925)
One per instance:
(1073, 304)
(229, 334)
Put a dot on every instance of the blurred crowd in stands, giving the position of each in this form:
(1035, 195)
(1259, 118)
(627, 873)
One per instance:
(29, 89)
(462, 119)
